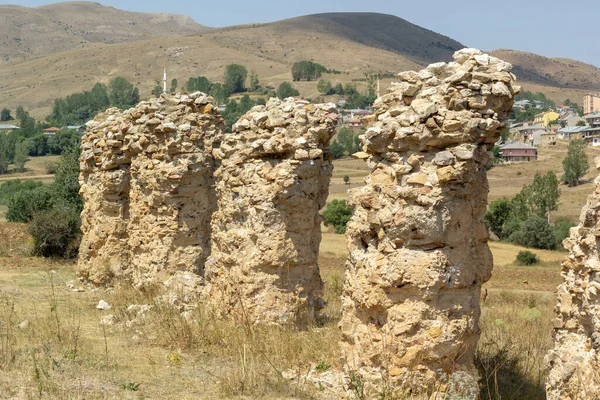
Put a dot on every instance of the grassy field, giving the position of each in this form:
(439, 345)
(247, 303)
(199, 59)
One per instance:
(505, 180)
(35, 168)
(53, 346)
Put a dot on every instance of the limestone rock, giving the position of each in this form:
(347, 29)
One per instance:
(147, 183)
(574, 361)
(272, 182)
(418, 247)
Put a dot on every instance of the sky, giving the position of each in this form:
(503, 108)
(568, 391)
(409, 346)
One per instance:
(550, 28)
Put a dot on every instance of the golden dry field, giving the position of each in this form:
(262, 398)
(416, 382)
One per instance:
(53, 346)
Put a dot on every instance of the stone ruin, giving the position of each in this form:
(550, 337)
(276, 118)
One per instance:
(272, 183)
(234, 217)
(575, 360)
(147, 182)
(417, 242)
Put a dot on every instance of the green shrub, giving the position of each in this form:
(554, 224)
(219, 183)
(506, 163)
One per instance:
(536, 233)
(497, 214)
(23, 204)
(337, 214)
(561, 229)
(526, 257)
(9, 188)
(55, 232)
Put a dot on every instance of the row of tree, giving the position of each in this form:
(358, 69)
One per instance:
(78, 108)
(309, 71)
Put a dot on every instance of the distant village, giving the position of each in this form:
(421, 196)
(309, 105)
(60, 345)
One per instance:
(560, 123)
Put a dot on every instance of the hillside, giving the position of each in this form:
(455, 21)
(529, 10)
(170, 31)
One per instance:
(27, 32)
(55, 50)
(381, 31)
(556, 72)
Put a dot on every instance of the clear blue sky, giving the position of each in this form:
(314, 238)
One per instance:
(551, 28)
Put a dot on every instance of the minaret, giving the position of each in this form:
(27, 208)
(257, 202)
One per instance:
(165, 81)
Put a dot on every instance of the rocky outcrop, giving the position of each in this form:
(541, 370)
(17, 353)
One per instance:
(147, 182)
(418, 246)
(272, 182)
(574, 362)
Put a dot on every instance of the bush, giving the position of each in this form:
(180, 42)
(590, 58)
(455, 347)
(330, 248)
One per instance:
(526, 257)
(497, 214)
(536, 233)
(23, 204)
(286, 90)
(51, 167)
(55, 232)
(561, 229)
(9, 188)
(337, 214)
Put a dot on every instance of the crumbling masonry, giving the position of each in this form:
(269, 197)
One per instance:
(418, 246)
(234, 217)
(272, 182)
(575, 360)
(147, 182)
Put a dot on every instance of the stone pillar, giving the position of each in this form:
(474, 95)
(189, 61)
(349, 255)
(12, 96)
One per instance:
(148, 185)
(418, 246)
(272, 182)
(574, 362)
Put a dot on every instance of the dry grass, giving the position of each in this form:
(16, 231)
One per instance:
(35, 169)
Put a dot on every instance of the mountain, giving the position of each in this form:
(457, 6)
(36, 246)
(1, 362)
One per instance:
(56, 50)
(27, 32)
(381, 31)
(557, 72)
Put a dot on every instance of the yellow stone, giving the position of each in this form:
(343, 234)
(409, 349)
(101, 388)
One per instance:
(435, 332)
(419, 179)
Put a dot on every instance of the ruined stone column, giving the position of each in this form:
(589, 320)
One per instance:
(147, 181)
(272, 182)
(575, 360)
(418, 246)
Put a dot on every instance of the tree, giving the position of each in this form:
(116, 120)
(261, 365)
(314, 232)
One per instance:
(286, 90)
(539, 198)
(580, 123)
(575, 164)
(173, 85)
(346, 179)
(337, 150)
(198, 84)
(496, 215)
(537, 233)
(5, 115)
(254, 82)
(307, 70)
(235, 77)
(348, 140)
(21, 153)
(324, 87)
(122, 93)
(337, 214)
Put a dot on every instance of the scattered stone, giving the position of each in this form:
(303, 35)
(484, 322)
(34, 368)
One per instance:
(418, 251)
(108, 320)
(103, 305)
(24, 324)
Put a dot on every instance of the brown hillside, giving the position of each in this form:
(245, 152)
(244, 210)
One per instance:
(386, 32)
(557, 72)
(26, 32)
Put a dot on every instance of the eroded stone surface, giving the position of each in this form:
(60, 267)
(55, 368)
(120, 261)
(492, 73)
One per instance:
(418, 246)
(575, 360)
(147, 182)
(272, 182)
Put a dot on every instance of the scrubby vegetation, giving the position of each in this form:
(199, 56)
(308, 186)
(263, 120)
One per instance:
(337, 214)
(524, 219)
(526, 257)
(52, 211)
